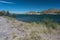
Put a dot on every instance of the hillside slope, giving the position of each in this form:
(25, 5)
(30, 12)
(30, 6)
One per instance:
(51, 11)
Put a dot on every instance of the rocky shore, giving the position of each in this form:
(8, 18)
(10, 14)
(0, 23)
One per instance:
(12, 29)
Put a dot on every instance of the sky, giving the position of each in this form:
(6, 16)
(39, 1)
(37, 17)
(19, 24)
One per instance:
(23, 6)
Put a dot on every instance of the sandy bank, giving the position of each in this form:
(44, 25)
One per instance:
(11, 29)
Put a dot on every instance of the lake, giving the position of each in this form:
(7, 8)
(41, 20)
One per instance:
(32, 18)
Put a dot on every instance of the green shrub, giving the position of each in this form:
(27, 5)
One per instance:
(50, 23)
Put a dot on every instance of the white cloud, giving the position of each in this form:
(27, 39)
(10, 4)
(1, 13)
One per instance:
(6, 2)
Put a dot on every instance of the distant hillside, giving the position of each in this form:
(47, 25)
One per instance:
(51, 11)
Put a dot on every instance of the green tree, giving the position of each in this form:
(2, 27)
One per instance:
(7, 13)
(2, 13)
(14, 15)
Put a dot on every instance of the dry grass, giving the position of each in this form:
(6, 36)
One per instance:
(33, 31)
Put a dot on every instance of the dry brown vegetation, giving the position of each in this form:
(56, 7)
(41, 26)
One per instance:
(46, 30)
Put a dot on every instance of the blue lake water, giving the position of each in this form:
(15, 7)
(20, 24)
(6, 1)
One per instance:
(32, 18)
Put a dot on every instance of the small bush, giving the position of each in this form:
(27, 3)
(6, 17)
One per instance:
(50, 23)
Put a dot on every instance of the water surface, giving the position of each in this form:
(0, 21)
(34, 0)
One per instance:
(32, 18)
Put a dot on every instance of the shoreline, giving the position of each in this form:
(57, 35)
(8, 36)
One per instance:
(18, 30)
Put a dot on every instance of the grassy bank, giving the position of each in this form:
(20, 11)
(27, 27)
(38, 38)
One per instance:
(38, 30)
(46, 29)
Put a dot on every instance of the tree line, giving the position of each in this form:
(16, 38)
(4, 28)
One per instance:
(7, 13)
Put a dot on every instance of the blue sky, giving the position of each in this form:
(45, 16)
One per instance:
(22, 6)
